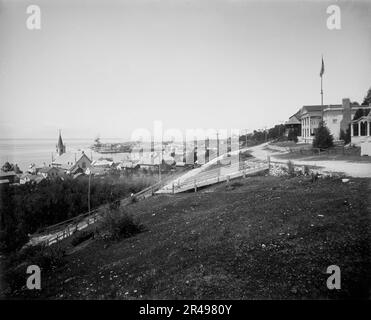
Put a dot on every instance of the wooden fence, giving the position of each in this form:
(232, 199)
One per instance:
(213, 176)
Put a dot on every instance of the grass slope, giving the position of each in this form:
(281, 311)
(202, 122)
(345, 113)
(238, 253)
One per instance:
(262, 238)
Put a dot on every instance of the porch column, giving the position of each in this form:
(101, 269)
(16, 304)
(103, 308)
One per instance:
(310, 133)
(302, 128)
(351, 130)
(368, 129)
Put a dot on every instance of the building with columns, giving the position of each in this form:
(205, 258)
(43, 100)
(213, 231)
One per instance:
(336, 117)
(310, 117)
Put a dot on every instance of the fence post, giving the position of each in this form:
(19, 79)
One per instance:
(244, 173)
(228, 180)
(173, 188)
(195, 185)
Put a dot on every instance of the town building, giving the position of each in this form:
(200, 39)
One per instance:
(72, 163)
(8, 177)
(31, 178)
(103, 163)
(50, 172)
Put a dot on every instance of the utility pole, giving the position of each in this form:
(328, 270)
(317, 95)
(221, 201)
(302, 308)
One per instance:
(265, 132)
(89, 173)
(217, 146)
(160, 159)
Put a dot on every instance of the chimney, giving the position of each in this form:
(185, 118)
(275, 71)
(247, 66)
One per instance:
(347, 115)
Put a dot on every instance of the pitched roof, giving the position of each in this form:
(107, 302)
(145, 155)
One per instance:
(46, 169)
(313, 108)
(293, 120)
(32, 177)
(363, 118)
(67, 160)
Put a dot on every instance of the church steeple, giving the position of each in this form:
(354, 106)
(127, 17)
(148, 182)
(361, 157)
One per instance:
(61, 148)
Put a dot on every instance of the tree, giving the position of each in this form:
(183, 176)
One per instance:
(323, 139)
(10, 167)
(367, 99)
(6, 167)
(360, 113)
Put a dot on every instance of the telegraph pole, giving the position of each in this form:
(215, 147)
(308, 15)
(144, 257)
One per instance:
(89, 173)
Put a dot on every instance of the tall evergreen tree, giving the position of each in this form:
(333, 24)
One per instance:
(323, 138)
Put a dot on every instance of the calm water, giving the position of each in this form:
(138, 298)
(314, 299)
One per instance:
(39, 151)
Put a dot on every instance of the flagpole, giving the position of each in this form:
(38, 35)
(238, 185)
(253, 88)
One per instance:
(321, 74)
(321, 92)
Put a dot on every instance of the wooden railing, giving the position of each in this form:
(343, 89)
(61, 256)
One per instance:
(214, 176)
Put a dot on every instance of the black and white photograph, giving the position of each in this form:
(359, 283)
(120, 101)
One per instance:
(210, 151)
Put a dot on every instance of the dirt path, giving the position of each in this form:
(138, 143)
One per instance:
(353, 169)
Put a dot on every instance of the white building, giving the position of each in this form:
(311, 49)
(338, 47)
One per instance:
(337, 118)
(361, 131)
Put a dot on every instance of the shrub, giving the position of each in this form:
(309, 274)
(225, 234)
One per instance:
(323, 139)
(47, 258)
(306, 170)
(290, 168)
(237, 184)
(81, 237)
(118, 224)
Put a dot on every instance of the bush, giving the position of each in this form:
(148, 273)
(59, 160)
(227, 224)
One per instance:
(46, 257)
(323, 139)
(290, 168)
(117, 224)
(81, 237)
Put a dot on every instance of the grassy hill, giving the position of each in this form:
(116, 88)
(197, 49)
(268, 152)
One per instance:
(260, 238)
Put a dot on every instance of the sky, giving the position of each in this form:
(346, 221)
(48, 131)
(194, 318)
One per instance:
(110, 67)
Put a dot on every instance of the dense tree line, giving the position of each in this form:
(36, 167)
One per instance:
(27, 208)
(260, 136)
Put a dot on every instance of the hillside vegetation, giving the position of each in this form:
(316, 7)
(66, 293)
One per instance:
(261, 237)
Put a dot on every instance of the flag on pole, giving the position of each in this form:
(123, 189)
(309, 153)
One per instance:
(322, 69)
